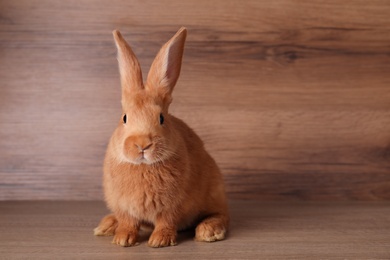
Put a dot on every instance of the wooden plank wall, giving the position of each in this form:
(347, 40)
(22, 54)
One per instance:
(292, 98)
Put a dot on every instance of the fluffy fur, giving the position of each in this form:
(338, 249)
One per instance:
(158, 174)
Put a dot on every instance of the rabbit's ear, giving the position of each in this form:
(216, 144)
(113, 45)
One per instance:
(165, 69)
(129, 68)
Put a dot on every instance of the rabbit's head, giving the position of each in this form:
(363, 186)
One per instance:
(145, 132)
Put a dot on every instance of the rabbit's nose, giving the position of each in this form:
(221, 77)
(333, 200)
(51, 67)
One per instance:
(143, 148)
(139, 143)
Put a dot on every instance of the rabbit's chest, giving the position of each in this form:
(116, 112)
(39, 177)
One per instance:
(145, 195)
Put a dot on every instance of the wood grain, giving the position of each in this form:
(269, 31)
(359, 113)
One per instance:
(321, 230)
(292, 98)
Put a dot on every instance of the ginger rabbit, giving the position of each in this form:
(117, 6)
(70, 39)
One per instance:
(156, 169)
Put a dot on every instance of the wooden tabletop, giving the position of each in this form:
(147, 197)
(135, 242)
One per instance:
(259, 230)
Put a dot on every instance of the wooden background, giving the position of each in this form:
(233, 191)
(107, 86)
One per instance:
(292, 98)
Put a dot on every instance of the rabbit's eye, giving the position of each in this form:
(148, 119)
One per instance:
(124, 119)
(161, 119)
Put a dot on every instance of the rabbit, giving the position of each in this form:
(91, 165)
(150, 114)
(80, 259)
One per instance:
(156, 169)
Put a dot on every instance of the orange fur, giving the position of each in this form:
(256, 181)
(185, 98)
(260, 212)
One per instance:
(156, 174)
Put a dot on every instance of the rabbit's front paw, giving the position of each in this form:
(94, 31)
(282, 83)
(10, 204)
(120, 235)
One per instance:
(162, 237)
(125, 238)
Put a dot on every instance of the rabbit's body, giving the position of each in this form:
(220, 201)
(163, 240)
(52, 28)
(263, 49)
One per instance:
(180, 187)
(156, 170)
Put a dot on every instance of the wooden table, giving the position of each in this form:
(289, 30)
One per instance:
(259, 230)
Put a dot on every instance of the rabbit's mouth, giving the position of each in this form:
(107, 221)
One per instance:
(143, 158)
(140, 149)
